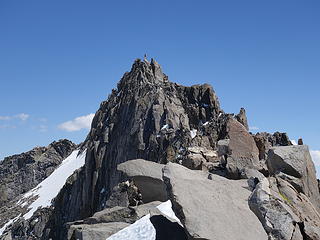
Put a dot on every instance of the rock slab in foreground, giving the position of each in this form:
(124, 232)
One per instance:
(147, 176)
(211, 209)
(296, 163)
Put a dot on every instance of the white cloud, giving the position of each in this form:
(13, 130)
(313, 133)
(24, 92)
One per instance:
(5, 118)
(83, 122)
(43, 119)
(253, 128)
(7, 126)
(43, 128)
(21, 116)
(315, 154)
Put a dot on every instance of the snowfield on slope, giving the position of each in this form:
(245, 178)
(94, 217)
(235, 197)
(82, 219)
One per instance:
(50, 187)
(143, 228)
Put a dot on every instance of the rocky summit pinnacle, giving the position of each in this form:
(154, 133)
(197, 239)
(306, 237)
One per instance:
(164, 161)
(143, 73)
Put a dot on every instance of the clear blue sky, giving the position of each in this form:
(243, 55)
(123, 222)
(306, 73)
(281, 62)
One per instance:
(60, 59)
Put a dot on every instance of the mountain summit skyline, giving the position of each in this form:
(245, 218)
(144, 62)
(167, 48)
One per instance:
(162, 161)
(78, 127)
(60, 60)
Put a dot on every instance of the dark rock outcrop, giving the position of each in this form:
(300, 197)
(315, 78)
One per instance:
(242, 118)
(123, 195)
(265, 141)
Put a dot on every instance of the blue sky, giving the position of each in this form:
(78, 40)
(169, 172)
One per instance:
(60, 59)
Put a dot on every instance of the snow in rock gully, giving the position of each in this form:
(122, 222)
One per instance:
(50, 187)
(143, 228)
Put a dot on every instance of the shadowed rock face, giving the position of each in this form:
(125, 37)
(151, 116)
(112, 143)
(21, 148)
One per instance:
(166, 229)
(265, 141)
(147, 176)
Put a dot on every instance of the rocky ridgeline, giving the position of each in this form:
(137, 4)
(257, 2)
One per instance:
(223, 181)
(22, 172)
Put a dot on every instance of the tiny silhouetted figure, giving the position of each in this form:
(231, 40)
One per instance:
(300, 141)
(145, 57)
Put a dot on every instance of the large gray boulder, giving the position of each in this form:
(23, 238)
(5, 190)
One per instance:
(276, 217)
(284, 212)
(300, 204)
(123, 214)
(211, 209)
(295, 161)
(99, 231)
(239, 151)
(147, 176)
(109, 221)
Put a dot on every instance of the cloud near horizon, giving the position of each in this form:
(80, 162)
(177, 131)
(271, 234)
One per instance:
(21, 116)
(77, 124)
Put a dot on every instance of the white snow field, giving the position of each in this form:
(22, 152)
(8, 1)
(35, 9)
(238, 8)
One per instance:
(50, 187)
(143, 228)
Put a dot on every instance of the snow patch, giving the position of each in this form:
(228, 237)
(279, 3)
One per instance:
(293, 142)
(140, 230)
(193, 133)
(166, 209)
(205, 124)
(143, 228)
(8, 223)
(50, 187)
(165, 127)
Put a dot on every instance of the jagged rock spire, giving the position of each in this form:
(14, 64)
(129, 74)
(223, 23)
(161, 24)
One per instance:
(142, 73)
